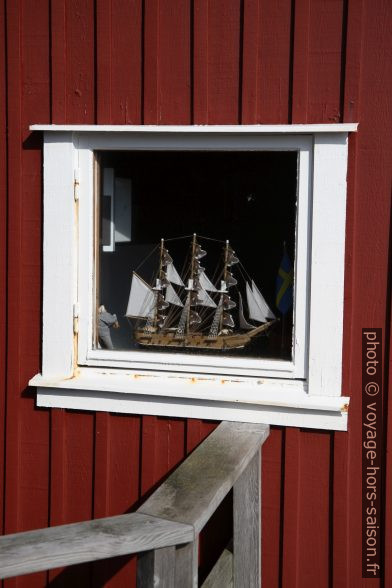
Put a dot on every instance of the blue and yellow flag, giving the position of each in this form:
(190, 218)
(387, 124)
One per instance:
(284, 285)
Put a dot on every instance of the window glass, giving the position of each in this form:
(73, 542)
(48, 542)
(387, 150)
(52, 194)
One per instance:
(196, 252)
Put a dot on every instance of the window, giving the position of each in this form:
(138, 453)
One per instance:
(237, 205)
(203, 331)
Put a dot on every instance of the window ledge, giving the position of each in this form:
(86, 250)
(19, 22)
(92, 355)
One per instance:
(256, 400)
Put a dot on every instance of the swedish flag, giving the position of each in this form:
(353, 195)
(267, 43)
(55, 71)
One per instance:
(284, 285)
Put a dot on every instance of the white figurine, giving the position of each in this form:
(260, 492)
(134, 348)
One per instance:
(105, 321)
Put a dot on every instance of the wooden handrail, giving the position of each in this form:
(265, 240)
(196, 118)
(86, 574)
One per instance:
(44, 549)
(193, 492)
(165, 529)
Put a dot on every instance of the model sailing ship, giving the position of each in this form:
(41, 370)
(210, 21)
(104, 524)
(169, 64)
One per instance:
(190, 310)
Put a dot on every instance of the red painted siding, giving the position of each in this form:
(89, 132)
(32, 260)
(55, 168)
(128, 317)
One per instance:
(184, 62)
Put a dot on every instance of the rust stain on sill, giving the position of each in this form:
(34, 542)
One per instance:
(344, 407)
(189, 379)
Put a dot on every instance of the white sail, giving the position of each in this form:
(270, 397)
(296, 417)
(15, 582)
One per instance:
(255, 312)
(172, 275)
(243, 323)
(204, 299)
(172, 296)
(141, 299)
(206, 283)
(262, 303)
(258, 308)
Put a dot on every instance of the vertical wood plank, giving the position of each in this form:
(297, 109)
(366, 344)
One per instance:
(163, 447)
(3, 249)
(119, 93)
(388, 450)
(174, 102)
(156, 569)
(150, 63)
(325, 61)
(80, 68)
(187, 565)
(224, 52)
(116, 487)
(197, 431)
(272, 502)
(314, 509)
(290, 546)
(119, 58)
(353, 61)
(266, 62)
(72, 481)
(27, 430)
(247, 526)
(167, 71)
(307, 509)
(371, 221)
(317, 61)
(343, 459)
(200, 62)
(300, 59)
(73, 101)
(57, 513)
(58, 46)
(250, 62)
(13, 416)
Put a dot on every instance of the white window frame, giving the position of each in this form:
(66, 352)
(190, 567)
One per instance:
(302, 392)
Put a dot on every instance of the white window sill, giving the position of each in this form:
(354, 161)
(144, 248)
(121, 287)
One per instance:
(256, 400)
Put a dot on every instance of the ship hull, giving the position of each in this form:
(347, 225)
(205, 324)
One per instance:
(198, 340)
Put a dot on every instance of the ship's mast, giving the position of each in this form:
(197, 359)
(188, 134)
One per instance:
(225, 276)
(158, 287)
(159, 302)
(223, 318)
(185, 318)
(191, 285)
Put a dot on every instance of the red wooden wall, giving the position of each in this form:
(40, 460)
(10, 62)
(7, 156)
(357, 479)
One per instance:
(184, 62)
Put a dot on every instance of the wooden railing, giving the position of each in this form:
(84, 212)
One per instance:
(165, 530)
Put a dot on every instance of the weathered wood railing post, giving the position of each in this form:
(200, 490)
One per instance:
(165, 530)
(229, 457)
(157, 568)
(247, 526)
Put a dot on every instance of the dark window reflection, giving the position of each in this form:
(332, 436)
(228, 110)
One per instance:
(246, 198)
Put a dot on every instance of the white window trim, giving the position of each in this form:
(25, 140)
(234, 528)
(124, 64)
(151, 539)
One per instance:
(74, 376)
(179, 362)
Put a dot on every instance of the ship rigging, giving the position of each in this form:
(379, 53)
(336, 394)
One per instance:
(191, 310)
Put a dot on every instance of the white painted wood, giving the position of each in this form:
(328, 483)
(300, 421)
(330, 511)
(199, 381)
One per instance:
(247, 526)
(44, 549)
(327, 280)
(302, 258)
(210, 141)
(193, 492)
(191, 408)
(305, 128)
(86, 265)
(145, 359)
(265, 391)
(68, 277)
(59, 255)
(108, 191)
